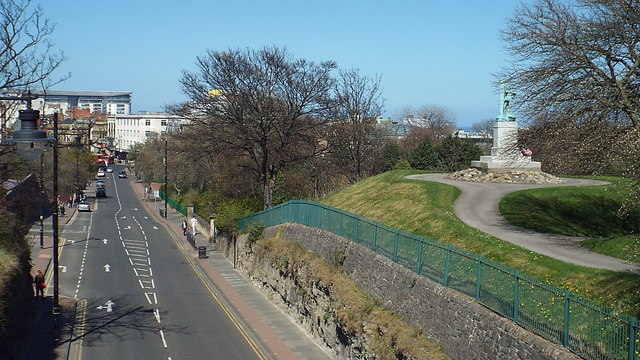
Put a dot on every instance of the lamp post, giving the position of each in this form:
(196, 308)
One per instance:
(30, 144)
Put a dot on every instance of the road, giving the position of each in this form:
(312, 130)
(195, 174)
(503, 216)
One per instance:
(141, 295)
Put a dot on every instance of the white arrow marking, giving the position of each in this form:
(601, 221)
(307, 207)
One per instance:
(156, 312)
(123, 217)
(107, 268)
(127, 228)
(155, 227)
(109, 303)
(64, 268)
(135, 208)
(146, 217)
(104, 241)
(107, 306)
(72, 241)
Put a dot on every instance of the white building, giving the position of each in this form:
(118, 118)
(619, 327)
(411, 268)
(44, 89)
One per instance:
(104, 102)
(127, 130)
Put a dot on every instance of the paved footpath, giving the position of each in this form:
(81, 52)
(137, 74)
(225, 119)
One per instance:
(477, 206)
(39, 342)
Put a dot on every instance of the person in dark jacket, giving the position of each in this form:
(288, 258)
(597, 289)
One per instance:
(184, 227)
(38, 282)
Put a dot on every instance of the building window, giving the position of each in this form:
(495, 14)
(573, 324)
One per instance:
(147, 122)
(163, 122)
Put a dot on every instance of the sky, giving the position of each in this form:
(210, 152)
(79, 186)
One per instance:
(427, 52)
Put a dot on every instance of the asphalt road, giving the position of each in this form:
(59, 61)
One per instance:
(140, 295)
(477, 206)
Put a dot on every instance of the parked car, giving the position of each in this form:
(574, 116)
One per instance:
(122, 174)
(109, 169)
(101, 173)
(101, 193)
(84, 206)
(100, 184)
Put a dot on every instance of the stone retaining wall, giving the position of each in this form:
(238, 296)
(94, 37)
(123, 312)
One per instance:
(465, 328)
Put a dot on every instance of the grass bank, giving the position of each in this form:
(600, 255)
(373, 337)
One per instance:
(426, 208)
(593, 211)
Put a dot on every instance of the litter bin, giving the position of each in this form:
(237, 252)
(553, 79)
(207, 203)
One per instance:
(202, 252)
(162, 212)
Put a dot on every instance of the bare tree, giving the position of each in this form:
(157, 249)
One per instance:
(261, 105)
(27, 57)
(576, 69)
(485, 129)
(354, 132)
(439, 122)
(579, 58)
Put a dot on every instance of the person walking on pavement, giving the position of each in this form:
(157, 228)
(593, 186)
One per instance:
(38, 282)
(194, 222)
(184, 227)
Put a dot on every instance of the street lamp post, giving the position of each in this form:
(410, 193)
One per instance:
(30, 144)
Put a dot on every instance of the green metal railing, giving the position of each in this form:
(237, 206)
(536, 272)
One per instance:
(580, 325)
(178, 206)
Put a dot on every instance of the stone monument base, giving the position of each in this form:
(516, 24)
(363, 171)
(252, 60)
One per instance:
(490, 164)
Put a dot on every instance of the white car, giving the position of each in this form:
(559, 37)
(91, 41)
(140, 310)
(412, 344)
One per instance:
(101, 173)
(109, 169)
(84, 206)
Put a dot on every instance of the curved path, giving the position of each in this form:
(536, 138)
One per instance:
(478, 207)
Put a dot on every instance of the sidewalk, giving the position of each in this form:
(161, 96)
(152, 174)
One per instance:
(39, 337)
(278, 332)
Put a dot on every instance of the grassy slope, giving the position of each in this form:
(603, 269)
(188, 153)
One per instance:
(579, 211)
(426, 208)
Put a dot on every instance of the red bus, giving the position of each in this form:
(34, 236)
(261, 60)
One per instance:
(104, 159)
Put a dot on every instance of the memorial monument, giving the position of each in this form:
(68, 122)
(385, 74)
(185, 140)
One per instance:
(505, 154)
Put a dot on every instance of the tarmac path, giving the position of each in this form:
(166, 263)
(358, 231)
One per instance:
(477, 206)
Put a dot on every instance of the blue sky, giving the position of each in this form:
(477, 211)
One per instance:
(427, 52)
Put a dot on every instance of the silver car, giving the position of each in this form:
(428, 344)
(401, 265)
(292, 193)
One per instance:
(84, 206)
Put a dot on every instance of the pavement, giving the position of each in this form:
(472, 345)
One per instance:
(477, 207)
(281, 335)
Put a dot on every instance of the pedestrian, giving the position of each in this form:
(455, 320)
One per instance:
(70, 202)
(38, 282)
(62, 212)
(184, 227)
(194, 222)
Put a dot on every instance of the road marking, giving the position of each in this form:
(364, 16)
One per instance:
(107, 268)
(108, 305)
(156, 312)
(64, 268)
(148, 295)
(163, 340)
(104, 241)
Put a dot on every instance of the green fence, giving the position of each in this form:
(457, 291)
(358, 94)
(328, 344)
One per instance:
(179, 207)
(583, 327)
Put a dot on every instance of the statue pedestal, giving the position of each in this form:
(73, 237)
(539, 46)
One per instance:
(505, 154)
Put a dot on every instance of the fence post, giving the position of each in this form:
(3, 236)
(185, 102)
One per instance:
(479, 277)
(445, 280)
(419, 260)
(565, 333)
(633, 331)
(374, 243)
(516, 295)
(395, 246)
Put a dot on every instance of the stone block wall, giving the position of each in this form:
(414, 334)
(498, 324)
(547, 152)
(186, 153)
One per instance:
(466, 329)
